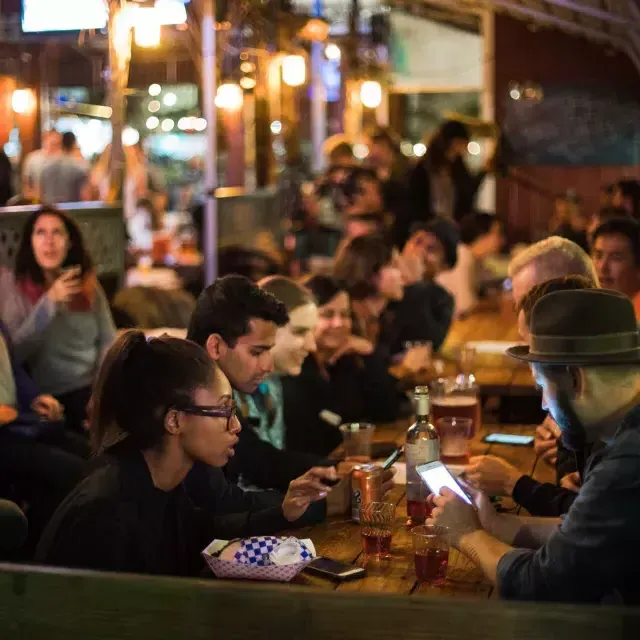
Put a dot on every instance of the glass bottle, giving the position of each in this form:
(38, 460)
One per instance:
(422, 446)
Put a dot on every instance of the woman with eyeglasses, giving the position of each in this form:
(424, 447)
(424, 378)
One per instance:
(159, 406)
(344, 380)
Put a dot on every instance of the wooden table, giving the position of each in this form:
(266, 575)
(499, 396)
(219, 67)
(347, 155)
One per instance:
(339, 538)
(496, 374)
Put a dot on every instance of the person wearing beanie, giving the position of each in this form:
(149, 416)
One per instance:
(436, 243)
(441, 183)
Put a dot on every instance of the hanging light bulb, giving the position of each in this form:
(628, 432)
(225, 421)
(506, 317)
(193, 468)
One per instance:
(146, 26)
(371, 94)
(23, 101)
(229, 96)
(294, 70)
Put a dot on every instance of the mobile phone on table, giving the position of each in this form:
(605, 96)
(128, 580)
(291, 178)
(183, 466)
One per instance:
(393, 458)
(509, 438)
(436, 476)
(334, 570)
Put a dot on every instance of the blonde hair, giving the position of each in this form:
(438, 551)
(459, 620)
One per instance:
(555, 257)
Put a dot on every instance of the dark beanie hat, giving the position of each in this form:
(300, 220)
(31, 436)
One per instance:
(446, 232)
(453, 129)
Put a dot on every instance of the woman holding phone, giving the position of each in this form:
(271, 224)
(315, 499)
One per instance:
(56, 311)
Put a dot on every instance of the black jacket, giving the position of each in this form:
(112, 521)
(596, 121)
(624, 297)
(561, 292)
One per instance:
(117, 520)
(425, 313)
(356, 388)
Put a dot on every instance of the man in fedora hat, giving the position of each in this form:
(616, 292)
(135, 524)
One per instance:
(584, 352)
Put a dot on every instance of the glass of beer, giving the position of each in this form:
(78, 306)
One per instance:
(377, 520)
(431, 553)
(456, 398)
(454, 435)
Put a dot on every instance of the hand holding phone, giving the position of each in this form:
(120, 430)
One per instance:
(436, 476)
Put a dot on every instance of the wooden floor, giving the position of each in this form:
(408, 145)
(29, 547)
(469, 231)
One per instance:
(339, 538)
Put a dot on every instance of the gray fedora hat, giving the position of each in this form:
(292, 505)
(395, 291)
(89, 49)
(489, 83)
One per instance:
(582, 327)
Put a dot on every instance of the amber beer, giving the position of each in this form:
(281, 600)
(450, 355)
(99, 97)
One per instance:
(457, 407)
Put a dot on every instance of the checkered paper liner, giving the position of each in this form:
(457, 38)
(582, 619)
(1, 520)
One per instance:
(252, 562)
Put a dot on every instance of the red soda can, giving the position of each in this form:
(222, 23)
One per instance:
(366, 486)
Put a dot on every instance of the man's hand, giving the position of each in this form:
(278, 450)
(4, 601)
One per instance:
(546, 441)
(572, 481)
(48, 408)
(307, 489)
(355, 344)
(452, 512)
(493, 475)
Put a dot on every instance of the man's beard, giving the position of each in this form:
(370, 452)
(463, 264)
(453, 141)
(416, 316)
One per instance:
(573, 432)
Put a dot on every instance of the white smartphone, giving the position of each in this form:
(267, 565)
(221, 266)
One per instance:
(435, 475)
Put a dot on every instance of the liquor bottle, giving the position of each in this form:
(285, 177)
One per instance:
(422, 446)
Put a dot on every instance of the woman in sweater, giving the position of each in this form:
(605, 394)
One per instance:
(344, 380)
(160, 406)
(56, 312)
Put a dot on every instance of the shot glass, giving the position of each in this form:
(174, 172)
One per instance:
(377, 520)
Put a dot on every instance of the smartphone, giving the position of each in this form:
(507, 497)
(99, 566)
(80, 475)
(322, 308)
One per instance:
(393, 458)
(509, 438)
(435, 475)
(334, 570)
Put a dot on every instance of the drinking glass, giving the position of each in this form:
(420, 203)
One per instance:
(467, 359)
(377, 520)
(431, 553)
(456, 398)
(357, 438)
(454, 432)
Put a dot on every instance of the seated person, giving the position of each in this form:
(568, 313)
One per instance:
(570, 222)
(481, 236)
(236, 321)
(436, 244)
(603, 215)
(160, 406)
(495, 476)
(387, 312)
(584, 354)
(39, 460)
(265, 408)
(553, 257)
(56, 311)
(616, 256)
(13, 530)
(344, 380)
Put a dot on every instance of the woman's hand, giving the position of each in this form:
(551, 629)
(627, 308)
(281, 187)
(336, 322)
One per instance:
(417, 359)
(48, 408)
(306, 489)
(355, 344)
(66, 286)
(493, 475)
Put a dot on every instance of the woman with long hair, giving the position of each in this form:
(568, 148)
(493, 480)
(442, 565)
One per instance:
(160, 406)
(441, 184)
(55, 310)
(344, 380)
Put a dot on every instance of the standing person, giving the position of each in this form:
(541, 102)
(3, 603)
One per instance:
(65, 178)
(387, 312)
(344, 380)
(585, 355)
(56, 311)
(35, 161)
(441, 184)
(616, 256)
(161, 406)
(481, 237)
(236, 322)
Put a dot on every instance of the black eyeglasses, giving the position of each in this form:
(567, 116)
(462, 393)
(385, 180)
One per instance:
(229, 412)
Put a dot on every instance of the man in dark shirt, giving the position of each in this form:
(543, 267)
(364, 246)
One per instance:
(236, 322)
(585, 356)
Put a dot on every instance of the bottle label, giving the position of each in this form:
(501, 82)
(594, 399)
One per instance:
(415, 454)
